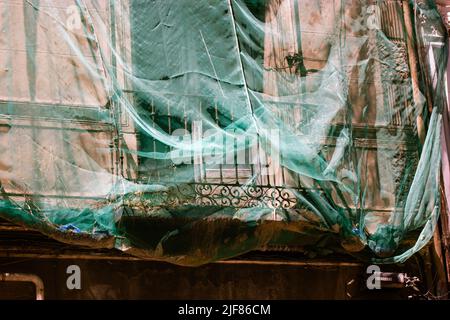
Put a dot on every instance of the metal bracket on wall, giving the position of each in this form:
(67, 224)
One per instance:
(22, 277)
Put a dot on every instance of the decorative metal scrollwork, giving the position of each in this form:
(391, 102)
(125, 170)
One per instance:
(240, 196)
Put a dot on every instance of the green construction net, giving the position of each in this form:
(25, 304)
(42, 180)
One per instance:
(196, 130)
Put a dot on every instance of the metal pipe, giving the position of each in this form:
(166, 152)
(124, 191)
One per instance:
(316, 264)
(24, 277)
(413, 61)
(88, 256)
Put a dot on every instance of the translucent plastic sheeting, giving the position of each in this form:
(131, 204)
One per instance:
(191, 131)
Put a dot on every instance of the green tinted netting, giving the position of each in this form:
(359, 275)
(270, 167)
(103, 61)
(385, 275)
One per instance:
(196, 130)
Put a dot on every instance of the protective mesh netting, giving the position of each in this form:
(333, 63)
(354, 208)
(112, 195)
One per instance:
(196, 130)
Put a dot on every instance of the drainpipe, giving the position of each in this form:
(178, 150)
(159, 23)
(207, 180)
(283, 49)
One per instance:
(22, 277)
